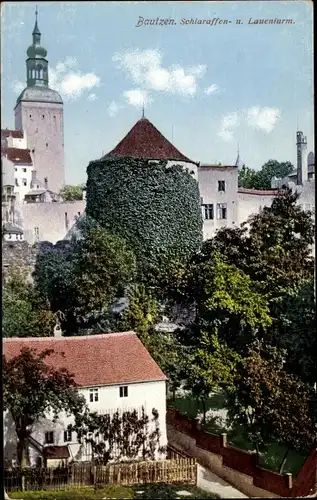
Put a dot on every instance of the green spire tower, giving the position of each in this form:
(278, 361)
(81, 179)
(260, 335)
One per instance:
(36, 63)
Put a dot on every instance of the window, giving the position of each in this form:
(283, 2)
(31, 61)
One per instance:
(67, 435)
(47, 144)
(36, 231)
(24, 182)
(93, 395)
(30, 116)
(208, 212)
(49, 437)
(16, 182)
(10, 236)
(221, 210)
(78, 214)
(123, 391)
(15, 169)
(43, 116)
(46, 182)
(221, 186)
(21, 236)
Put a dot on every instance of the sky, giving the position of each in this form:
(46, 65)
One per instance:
(207, 87)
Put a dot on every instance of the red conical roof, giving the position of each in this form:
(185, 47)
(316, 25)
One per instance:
(145, 141)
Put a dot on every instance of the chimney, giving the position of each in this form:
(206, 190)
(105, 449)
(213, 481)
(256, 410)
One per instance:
(302, 170)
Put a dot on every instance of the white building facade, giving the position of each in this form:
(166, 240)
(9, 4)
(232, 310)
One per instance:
(125, 378)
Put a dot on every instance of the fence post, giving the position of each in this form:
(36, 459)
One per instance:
(22, 481)
(223, 440)
(289, 480)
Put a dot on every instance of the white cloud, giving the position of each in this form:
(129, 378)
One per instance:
(145, 68)
(262, 118)
(113, 108)
(92, 97)
(228, 124)
(211, 89)
(67, 79)
(17, 87)
(137, 97)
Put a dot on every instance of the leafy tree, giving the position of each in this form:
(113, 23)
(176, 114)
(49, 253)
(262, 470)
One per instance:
(227, 301)
(270, 402)
(32, 388)
(297, 331)
(261, 179)
(125, 436)
(25, 314)
(169, 354)
(142, 312)
(72, 193)
(270, 169)
(210, 367)
(140, 201)
(247, 177)
(83, 281)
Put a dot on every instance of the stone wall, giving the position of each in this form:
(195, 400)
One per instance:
(22, 254)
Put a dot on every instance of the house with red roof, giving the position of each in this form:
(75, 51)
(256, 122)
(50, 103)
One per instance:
(113, 371)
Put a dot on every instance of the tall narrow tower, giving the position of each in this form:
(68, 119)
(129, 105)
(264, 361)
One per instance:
(39, 113)
(301, 144)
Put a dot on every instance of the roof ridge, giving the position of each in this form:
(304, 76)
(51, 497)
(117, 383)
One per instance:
(83, 337)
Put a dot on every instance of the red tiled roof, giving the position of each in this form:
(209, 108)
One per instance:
(17, 155)
(262, 192)
(52, 452)
(145, 141)
(106, 359)
(17, 134)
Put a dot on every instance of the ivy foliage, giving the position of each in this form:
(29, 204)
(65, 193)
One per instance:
(153, 206)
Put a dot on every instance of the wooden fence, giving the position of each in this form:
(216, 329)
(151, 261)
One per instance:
(178, 471)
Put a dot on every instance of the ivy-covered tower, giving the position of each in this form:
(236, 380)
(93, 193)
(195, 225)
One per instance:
(39, 114)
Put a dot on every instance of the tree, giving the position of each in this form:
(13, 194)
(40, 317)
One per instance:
(120, 436)
(32, 388)
(227, 301)
(25, 314)
(270, 402)
(261, 179)
(83, 280)
(270, 169)
(297, 331)
(142, 312)
(140, 201)
(247, 177)
(210, 367)
(72, 193)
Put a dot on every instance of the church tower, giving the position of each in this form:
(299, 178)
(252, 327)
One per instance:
(39, 114)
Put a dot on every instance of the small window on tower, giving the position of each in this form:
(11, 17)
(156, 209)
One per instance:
(47, 144)
(30, 116)
(43, 116)
(54, 118)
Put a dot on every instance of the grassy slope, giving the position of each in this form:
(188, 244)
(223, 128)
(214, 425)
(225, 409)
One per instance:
(130, 492)
(235, 436)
